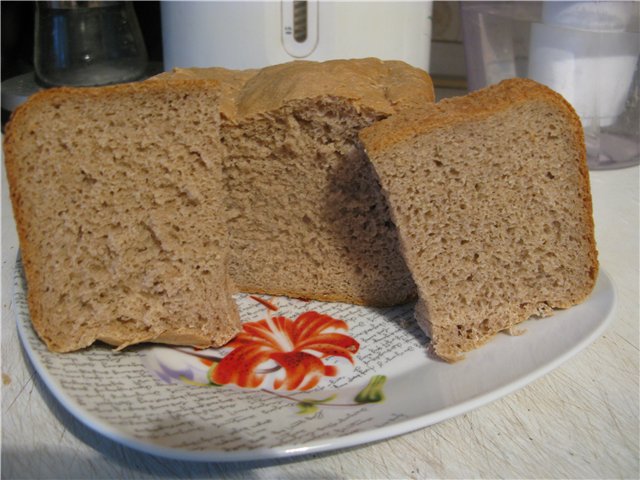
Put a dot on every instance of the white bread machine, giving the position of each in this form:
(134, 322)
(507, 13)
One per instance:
(254, 34)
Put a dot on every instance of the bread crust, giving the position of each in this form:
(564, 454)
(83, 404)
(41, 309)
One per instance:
(475, 106)
(374, 88)
(371, 85)
(384, 86)
(21, 121)
(406, 128)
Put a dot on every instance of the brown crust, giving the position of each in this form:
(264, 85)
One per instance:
(384, 86)
(369, 83)
(231, 83)
(476, 106)
(175, 337)
(473, 107)
(49, 96)
(457, 110)
(19, 120)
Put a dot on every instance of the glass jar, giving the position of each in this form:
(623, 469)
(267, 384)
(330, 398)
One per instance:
(86, 43)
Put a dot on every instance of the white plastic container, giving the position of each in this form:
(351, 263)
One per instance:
(586, 51)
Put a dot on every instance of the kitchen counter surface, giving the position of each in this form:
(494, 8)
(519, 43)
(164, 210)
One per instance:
(581, 420)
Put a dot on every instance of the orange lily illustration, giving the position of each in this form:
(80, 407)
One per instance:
(298, 346)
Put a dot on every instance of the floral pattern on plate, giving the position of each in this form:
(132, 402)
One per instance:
(286, 354)
(163, 414)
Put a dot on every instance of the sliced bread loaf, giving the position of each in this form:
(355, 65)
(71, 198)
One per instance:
(490, 194)
(306, 216)
(117, 195)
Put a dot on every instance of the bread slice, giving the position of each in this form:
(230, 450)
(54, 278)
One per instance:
(490, 193)
(117, 196)
(307, 218)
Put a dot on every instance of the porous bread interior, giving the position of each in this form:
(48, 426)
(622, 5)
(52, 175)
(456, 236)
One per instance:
(493, 218)
(306, 216)
(118, 200)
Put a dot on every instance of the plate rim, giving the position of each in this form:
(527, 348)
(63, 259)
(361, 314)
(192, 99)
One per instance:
(318, 445)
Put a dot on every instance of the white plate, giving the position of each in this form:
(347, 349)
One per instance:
(159, 399)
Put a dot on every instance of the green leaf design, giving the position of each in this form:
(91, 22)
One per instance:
(372, 393)
(323, 400)
(306, 408)
(310, 405)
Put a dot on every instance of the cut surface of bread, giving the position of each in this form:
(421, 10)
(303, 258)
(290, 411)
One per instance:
(306, 216)
(490, 194)
(117, 196)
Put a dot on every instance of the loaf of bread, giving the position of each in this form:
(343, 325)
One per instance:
(306, 216)
(118, 199)
(490, 194)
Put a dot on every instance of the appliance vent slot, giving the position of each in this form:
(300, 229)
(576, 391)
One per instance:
(300, 21)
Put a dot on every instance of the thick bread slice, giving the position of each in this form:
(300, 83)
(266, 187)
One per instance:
(490, 194)
(307, 218)
(117, 196)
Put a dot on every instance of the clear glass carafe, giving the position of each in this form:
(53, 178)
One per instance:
(84, 43)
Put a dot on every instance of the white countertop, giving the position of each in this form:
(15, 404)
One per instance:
(581, 420)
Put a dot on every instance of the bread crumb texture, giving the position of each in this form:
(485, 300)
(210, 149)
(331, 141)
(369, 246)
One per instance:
(126, 198)
(306, 215)
(117, 198)
(490, 194)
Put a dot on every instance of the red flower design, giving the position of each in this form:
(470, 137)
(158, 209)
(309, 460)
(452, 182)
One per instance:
(297, 346)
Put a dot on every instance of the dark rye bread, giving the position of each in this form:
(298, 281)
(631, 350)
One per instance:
(490, 194)
(306, 216)
(117, 196)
